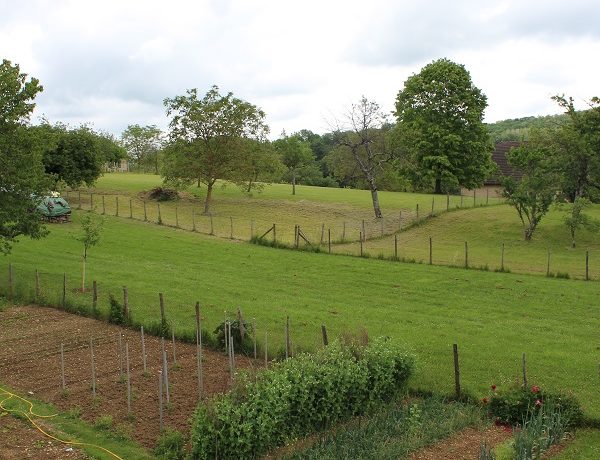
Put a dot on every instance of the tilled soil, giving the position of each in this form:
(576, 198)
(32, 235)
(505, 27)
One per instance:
(19, 441)
(30, 340)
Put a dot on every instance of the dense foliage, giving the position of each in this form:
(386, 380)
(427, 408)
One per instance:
(299, 396)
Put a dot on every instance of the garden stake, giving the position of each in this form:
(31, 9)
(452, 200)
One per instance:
(502, 258)
(130, 210)
(430, 252)
(162, 313)
(160, 399)
(396, 247)
(144, 359)
(93, 369)
(456, 371)
(432, 205)
(241, 324)
(329, 239)
(324, 333)
(62, 366)
(174, 353)
(417, 211)
(212, 228)
(199, 349)
(128, 379)
(165, 370)
(125, 303)
(120, 350)
(94, 295)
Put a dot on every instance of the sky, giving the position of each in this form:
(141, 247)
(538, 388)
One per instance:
(112, 63)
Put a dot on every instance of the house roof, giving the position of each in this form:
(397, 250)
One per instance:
(504, 169)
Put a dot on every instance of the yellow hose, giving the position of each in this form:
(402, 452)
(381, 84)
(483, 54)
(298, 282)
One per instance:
(30, 413)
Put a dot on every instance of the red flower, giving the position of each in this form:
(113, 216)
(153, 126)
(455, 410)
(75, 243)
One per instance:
(535, 389)
(538, 403)
(484, 400)
(493, 387)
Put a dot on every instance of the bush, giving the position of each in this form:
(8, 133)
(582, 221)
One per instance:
(298, 396)
(170, 445)
(115, 313)
(517, 404)
(246, 346)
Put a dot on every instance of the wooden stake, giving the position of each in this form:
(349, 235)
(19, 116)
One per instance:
(78, 199)
(456, 372)
(361, 243)
(62, 367)
(466, 255)
(587, 265)
(447, 201)
(176, 217)
(474, 192)
(159, 220)
(193, 221)
(103, 206)
(502, 258)
(10, 283)
(251, 229)
(322, 233)
(430, 251)
(417, 211)
(324, 334)
(91, 201)
(432, 204)
(364, 232)
(163, 320)
(93, 369)
(128, 379)
(344, 231)
(130, 209)
(241, 326)
(145, 213)
(400, 220)
(199, 349)
(396, 247)
(126, 303)
(487, 196)
(144, 358)
(94, 295)
(266, 352)
(548, 265)
(120, 351)
(212, 227)
(160, 400)
(230, 227)
(117, 210)
(329, 239)
(165, 369)
(174, 351)
(274, 234)
(38, 292)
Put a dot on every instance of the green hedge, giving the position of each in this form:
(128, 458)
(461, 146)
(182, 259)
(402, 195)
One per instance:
(299, 396)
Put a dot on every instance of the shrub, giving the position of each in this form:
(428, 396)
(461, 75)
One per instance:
(170, 445)
(297, 396)
(246, 346)
(115, 313)
(517, 404)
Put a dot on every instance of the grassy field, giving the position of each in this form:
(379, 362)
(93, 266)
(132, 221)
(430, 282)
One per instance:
(236, 214)
(494, 317)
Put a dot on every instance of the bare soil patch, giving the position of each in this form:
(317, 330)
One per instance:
(30, 339)
(464, 445)
(19, 440)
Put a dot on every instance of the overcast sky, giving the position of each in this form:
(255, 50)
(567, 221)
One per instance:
(111, 63)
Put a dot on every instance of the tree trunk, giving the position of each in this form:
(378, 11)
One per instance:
(208, 197)
(375, 198)
(438, 186)
(249, 186)
(293, 183)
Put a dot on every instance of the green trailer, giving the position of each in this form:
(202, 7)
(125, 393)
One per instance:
(54, 209)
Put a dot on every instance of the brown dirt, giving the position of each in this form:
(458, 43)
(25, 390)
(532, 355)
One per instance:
(30, 339)
(464, 445)
(19, 440)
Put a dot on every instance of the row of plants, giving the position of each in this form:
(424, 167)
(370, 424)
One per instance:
(299, 396)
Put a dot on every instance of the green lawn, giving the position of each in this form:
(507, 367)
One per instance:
(494, 317)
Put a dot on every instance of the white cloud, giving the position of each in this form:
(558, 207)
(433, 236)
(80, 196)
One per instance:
(113, 62)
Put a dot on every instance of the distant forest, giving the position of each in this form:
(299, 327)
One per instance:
(517, 129)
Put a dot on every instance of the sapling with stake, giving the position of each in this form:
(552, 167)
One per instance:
(91, 227)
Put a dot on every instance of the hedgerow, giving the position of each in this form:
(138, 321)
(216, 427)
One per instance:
(299, 396)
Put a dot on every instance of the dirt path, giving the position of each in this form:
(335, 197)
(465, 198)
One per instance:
(464, 445)
(30, 339)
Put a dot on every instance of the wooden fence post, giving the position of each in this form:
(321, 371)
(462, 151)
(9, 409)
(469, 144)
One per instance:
(94, 295)
(176, 216)
(199, 349)
(159, 219)
(38, 290)
(361, 243)
(78, 199)
(126, 303)
(447, 201)
(212, 227)
(587, 265)
(91, 201)
(474, 194)
(130, 209)
(93, 369)
(266, 350)
(230, 227)
(145, 214)
(287, 338)
(103, 206)
(254, 335)
(128, 378)
(274, 234)
(417, 211)
(193, 220)
(432, 204)
(502, 258)
(396, 247)
(548, 264)
(163, 320)
(466, 255)
(324, 334)
(456, 371)
(430, 251)
(160, 400)
(117, 202)
(329, 239)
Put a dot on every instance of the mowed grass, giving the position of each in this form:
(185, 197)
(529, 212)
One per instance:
(486, 229)
(494, 317)
(235, 214)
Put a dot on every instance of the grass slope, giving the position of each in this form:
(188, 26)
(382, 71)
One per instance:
(493, 317)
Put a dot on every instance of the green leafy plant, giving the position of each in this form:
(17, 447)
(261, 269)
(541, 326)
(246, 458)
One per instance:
(170, 445)
(115, 313)
(298, 396)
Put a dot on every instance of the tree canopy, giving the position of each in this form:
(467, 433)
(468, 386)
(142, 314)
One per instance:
(143, 145)
(296, 155)
(440, 127)
(206, 137)
(22, 178)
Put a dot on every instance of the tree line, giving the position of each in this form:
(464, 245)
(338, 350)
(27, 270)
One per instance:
(434, 141)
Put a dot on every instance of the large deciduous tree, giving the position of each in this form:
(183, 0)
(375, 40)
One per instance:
(207, 137)
(22, 179)
(143, 144)
(362, 146)
(440, 127)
